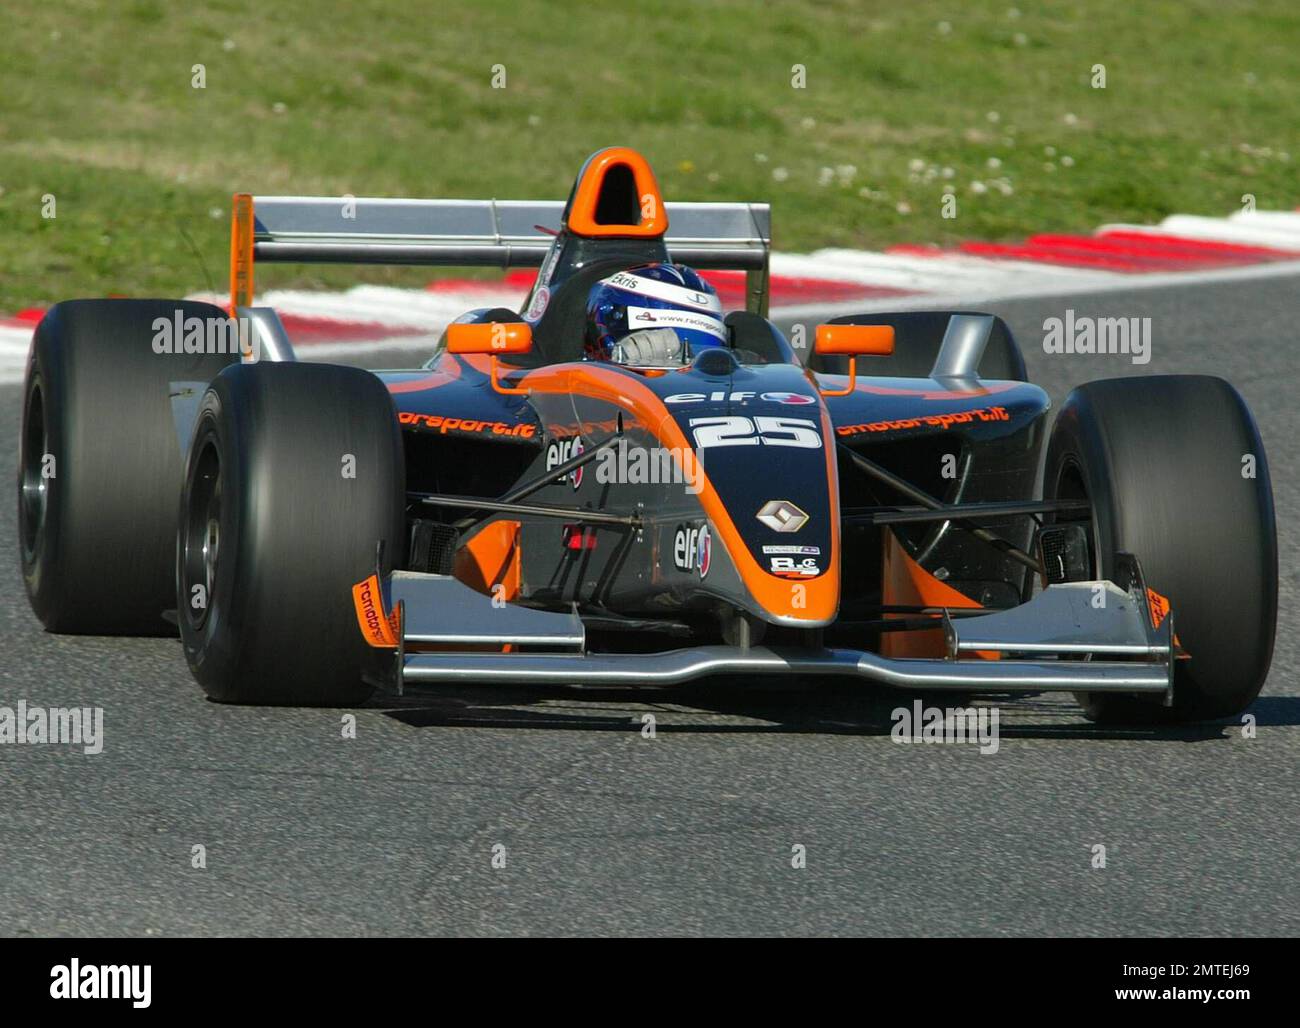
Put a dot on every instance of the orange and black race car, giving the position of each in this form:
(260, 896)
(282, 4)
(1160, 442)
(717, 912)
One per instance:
(523, 509)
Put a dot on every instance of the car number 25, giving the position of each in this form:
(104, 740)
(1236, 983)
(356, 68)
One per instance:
(760, 430)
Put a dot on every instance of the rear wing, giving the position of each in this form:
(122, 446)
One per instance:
(472, 233)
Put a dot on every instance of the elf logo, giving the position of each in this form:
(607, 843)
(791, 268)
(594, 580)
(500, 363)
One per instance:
(693, 548)
(562, 450)
(722, 396)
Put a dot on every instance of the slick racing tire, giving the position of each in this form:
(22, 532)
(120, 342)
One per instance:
(295, 482)
(100, 464)
(1175, 472)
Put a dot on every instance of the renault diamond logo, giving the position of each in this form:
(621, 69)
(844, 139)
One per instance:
(782, 516)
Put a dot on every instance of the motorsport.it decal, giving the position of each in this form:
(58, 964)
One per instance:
(943, 421)
(378, 630)
(1159, 607)
(469, 426)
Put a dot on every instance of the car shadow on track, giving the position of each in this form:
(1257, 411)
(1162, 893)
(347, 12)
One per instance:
(826, 708)
(709, 710)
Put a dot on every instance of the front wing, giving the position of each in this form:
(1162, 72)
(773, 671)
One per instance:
(1076, 636)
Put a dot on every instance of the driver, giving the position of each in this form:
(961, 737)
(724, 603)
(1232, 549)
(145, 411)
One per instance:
(653, 315)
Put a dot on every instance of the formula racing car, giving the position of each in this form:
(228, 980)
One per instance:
(622, 484)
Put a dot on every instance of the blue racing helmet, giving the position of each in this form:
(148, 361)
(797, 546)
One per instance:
(654, 314)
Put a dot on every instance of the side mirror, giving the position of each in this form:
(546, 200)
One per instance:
(490, 337)
(493, 338)
(853, 341)
(873, 340)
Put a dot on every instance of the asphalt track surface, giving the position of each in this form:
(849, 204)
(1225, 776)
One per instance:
(691, 832)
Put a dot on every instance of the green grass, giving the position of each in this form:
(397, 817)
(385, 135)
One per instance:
(394, 97)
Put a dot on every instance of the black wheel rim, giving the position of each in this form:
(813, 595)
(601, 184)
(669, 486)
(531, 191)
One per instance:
(1071, 485)
(201, 543)
(33, 480)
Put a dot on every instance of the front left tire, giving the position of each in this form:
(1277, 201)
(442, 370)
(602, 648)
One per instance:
(295, 482)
